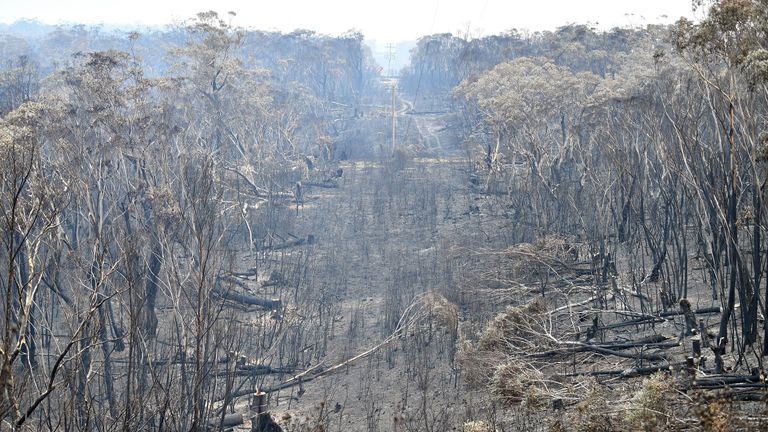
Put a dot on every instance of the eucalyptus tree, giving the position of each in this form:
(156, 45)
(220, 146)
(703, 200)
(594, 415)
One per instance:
(19, 81)
(726, 52)
(30, 206)
(532, 109)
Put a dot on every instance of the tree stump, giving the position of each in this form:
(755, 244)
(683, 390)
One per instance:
(690, 317)
(264, 423)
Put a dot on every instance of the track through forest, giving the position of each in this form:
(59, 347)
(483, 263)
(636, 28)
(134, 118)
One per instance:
(382, 239)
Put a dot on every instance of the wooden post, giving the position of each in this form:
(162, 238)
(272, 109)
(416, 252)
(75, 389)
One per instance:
(719, 350)
(690, 317)
(690, 368)
(696, 345)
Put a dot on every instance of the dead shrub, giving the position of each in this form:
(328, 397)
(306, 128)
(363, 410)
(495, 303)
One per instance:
(513, 383)
(516, 329)
(592, 413)
(476, 426)
(476, 366)
(715, 411)
(532, 260)
(443, 313)
(651, 407)
(512, 333)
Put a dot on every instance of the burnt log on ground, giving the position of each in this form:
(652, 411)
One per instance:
(252, 370)
(650, 342)
(228, 421)
(242, 369)
(284, 245)
(643, 371)
(585, 347)
(755, 385)
(653, 340)
(711, 382)
(270, 304)
(627, 373)
(310, 239)
(702, 311)
(328, 184)
(750, 396)
(664, 316)
(190, 360)
(232, 279)
(636, 321)
(248, 273)
(720, 381)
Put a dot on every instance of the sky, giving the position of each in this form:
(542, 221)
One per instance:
(381, 21)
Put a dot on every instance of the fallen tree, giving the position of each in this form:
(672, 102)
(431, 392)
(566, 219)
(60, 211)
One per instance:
(230, 295)
(424, 307)
(661, 317)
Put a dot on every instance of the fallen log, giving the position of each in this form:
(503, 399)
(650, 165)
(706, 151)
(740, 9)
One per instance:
(723, 380)
(750, 396)
(270, 304)
(290, 243)
(229, 420)
(654, 340)
(270, 369)
(570, 306)
(648, 370)
(584, 347)
(233, 280)
(252, 370)
(637, 321)
(731, 386)
(175, 361)
(328, 184)
(664, 316)
(702, 311)
(284, 245)
(626, 373)
(319, 371)
(248, 273)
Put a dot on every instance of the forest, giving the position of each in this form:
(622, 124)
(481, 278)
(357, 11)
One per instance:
(208, 227)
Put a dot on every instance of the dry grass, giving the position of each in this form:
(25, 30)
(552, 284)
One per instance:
(715, 411)
(514, 382)
(477, 426)
(651, 408)
(441, 311)
(592, 412)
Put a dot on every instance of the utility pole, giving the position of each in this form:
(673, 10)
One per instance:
(394, 114)
(390, 55)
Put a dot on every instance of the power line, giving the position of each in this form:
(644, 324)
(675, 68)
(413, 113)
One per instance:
(421, 69)
(390, 55)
